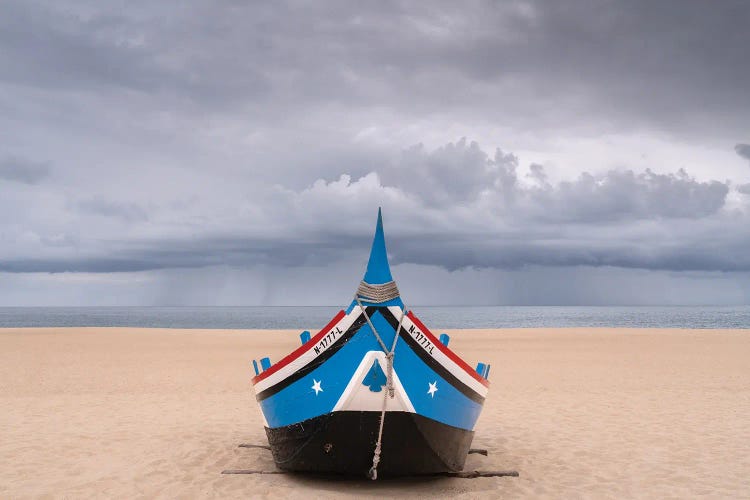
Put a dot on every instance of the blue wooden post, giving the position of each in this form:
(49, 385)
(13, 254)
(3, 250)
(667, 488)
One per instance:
(255, 366)
(304, 336)
(480, 368)
(487, 371)
(444, 339)
(265, 363)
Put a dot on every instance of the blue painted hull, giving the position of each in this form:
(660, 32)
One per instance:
(345, 377)
(373, 367)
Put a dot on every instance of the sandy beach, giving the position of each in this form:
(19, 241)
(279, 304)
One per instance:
(584, 413)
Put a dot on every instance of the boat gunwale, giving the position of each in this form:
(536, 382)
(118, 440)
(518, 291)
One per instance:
(300, 350)
(448, 352)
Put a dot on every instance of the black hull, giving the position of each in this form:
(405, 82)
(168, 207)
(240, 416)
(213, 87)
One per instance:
(344, 442)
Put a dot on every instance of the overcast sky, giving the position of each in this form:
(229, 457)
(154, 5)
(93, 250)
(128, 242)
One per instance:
(227, 153)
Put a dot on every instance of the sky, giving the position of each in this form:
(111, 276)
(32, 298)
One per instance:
(236, 153)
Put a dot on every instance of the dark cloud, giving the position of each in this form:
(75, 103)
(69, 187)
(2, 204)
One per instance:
(628, 195)
(107, 208)
(521, 251)
(75, 48)
(22, 170)
(462, 172)
(743, 150)
(539, 63)
(195, 253)
(453, 173)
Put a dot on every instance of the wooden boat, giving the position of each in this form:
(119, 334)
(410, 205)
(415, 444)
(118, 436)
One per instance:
(374, 392)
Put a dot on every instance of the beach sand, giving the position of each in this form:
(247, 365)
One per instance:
(584, 413)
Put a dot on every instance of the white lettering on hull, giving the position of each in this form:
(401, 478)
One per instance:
(328, 340)
(437, 354)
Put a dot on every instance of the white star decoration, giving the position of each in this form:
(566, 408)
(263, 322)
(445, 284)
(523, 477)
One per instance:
(316, 387)
(433, 388)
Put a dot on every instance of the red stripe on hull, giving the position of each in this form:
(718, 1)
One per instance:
(453, 356)
(300, 350)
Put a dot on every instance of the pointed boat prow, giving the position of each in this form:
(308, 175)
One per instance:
(374, 392)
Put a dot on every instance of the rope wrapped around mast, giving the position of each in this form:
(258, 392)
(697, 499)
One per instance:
(377, 293)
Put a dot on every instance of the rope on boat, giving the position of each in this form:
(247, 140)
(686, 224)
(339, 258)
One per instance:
(377, 293)
(389, 355)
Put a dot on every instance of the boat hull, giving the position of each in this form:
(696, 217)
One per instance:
(343, 442)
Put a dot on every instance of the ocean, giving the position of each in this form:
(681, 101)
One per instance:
(435, 317)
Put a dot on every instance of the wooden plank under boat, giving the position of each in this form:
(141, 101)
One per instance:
(374, 392)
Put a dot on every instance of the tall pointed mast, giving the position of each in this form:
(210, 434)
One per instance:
(377, 287)
(378, 270)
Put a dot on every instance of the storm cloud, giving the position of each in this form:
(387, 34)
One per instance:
(743, 150)
(107, 208)
(21, 170)
(146, 139)
(495, 217)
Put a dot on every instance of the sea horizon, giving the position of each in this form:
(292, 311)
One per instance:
(436, 317)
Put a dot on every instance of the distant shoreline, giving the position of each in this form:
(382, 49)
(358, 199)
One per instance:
(435, 317)
(294, 331)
